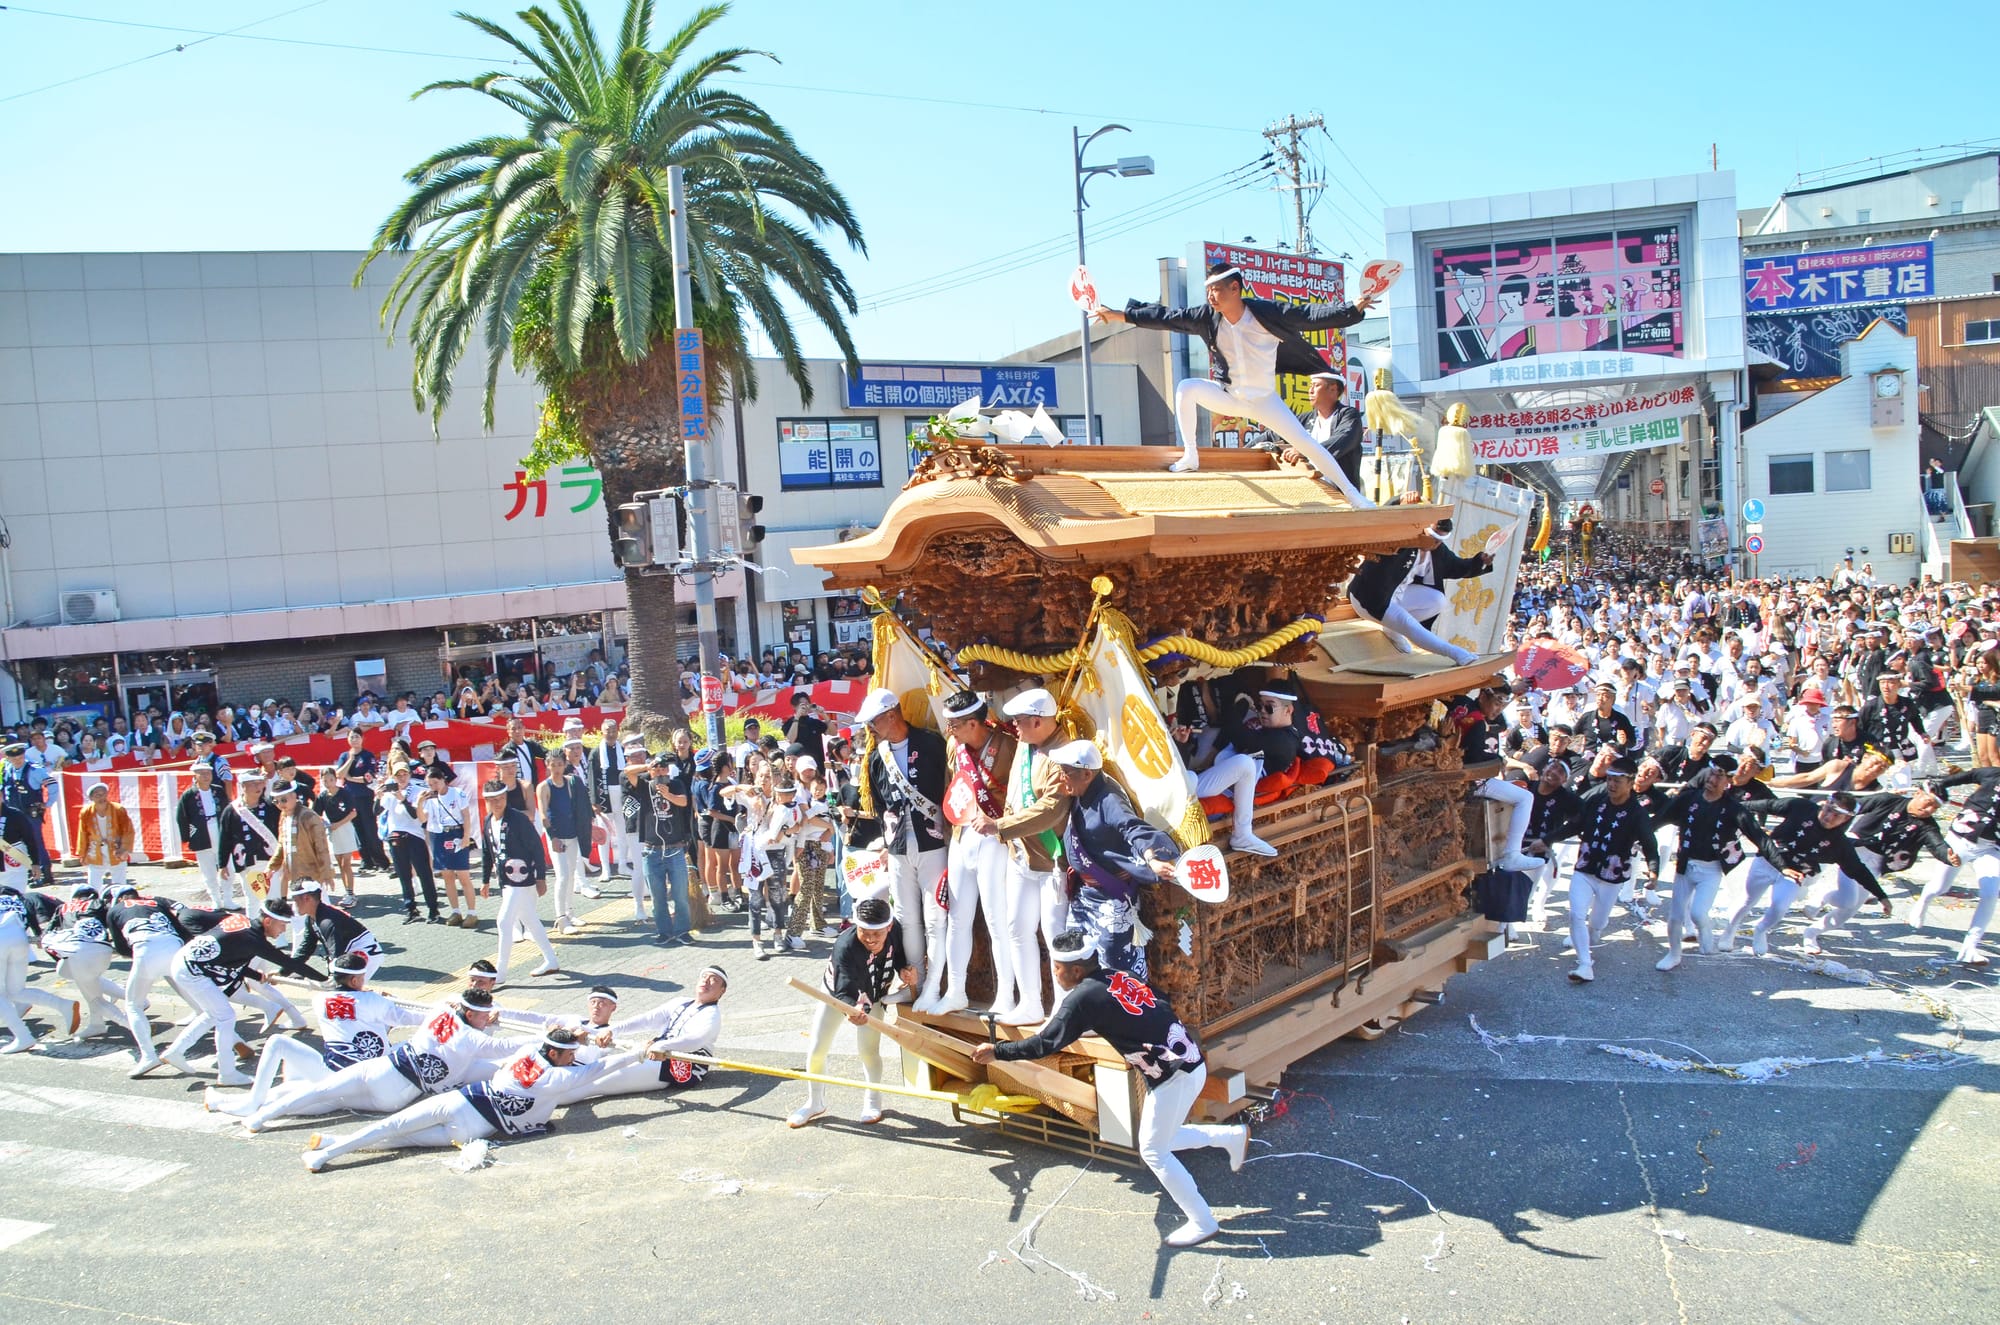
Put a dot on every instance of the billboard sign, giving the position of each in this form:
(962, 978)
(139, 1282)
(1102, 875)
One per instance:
(829, 453)
(1563, 287)
(1790, 282)
(939, 387)
(1642, 419)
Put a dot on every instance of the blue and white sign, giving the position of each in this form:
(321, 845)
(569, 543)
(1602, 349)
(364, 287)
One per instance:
(828, 453)
(1787, 282)
(1753, 510)
(940, 387)
(1753, 544)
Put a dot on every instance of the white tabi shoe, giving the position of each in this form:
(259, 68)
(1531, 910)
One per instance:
(1760, 943)
(950, 1003)
(1583, 974)
(1189, 462)
(871, 1109)
(1668, 962)
(1519, 861)
(1191, 1234)
(1239, 1149)
(1251, 844)
(805, 1114)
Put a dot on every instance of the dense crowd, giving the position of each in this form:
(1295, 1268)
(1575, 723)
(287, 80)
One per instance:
(1799, 738)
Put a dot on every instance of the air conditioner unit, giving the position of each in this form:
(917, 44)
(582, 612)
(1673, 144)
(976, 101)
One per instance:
(88, 607)
(1825, 212)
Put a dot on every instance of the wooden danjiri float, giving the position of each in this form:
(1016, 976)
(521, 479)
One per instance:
(1074, 567)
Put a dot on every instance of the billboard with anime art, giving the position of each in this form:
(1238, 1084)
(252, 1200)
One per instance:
(1575, 287)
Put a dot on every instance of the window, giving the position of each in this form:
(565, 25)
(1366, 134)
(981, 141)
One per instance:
(1791, 475)
(1846, 471)
(829, 453)
(1982, 331)
(1863, 215)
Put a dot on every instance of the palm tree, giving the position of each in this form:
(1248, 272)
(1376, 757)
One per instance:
(548, 244)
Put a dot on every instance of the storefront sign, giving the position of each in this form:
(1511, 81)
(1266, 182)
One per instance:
(1636, 421)
(829, 453)
(940, 387)
(1782, 282)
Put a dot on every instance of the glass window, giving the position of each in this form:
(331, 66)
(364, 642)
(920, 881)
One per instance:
(1863, 215)
(1846, 471)
(1791, 475)
(1976, 332)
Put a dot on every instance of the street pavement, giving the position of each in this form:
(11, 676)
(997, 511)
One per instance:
(1435, 1175)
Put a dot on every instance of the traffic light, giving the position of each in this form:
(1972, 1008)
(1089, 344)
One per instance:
(737, 533)
(632, 537)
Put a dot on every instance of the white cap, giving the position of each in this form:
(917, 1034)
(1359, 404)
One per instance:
(1077, 754)
(876, 704)
(1036, 703)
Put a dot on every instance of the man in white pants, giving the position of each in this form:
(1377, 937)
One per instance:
(1250, 341)
(199, 818)
(687, 1025)
(1403, 590)
(145, 930)
(452, 1047)
(1806, 838)
(907, 771)
(513, 853)
(17, 921)
(211, 967)
(81, 944)
(865, 964)
(1611, 824)
(1889, 829)
(1975, 836)
(1030, 827)
(517, 1101)
(976, 862)
(1138, 1022)
(354, 1025)
(1479, 738)
(1710, 826)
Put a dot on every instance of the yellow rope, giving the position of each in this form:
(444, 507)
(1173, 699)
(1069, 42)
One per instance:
(1033, 665)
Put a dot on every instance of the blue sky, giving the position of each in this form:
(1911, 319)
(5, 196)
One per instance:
(948, 124)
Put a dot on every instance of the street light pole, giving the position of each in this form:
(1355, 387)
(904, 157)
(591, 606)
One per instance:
(1128, 166)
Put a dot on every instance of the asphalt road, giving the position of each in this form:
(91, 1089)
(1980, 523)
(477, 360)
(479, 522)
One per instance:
(1430, 1176)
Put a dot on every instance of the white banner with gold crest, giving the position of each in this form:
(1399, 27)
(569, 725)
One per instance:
(900, 666)
(1475, 614)
(1113, 693)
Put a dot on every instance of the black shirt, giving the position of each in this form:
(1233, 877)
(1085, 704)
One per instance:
(806, 730)
(854, 973)
(1610, 833)
(1130, 1015)
(1883, 824)
(673, 824)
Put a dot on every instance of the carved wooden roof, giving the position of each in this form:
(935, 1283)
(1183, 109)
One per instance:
(1092, 506)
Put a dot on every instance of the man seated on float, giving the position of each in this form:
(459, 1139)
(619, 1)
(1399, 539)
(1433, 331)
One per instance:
(1113, 852)
(1258, 741)
(1250, 341)
(1402, 591)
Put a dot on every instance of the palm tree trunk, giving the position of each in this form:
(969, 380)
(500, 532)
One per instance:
(636, 451)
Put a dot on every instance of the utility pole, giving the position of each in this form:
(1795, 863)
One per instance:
(701, 534)
(1291, 163)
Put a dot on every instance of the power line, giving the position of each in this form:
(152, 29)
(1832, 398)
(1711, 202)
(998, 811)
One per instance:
(1222, 190)
(1055, 243)
(1357, 170)
(207, 35)
(1059, 246)
(171, 50)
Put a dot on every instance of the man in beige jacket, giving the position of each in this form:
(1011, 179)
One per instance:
(304, 853)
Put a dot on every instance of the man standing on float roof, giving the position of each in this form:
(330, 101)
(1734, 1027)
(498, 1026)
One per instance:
(1250, 341)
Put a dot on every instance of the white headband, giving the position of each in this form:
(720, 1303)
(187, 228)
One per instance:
(1230, 274)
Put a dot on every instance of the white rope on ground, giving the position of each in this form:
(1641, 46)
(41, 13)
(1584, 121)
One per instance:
(1022, 1245)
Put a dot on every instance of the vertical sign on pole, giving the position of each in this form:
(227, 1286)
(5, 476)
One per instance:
(691, 375)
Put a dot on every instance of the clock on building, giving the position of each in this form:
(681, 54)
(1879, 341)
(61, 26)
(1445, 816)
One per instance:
(1887, 405)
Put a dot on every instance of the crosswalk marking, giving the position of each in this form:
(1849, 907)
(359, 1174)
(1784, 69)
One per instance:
(81, 1168)
(123, 1110)
(13, 1232)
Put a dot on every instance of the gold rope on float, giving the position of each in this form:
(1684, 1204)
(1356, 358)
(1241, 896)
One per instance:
(1198, 650)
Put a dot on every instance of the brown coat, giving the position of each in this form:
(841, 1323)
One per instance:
(105, 839)
(1033, 810)
(303, 849)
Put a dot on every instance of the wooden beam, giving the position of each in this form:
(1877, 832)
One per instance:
(1075, 1100)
